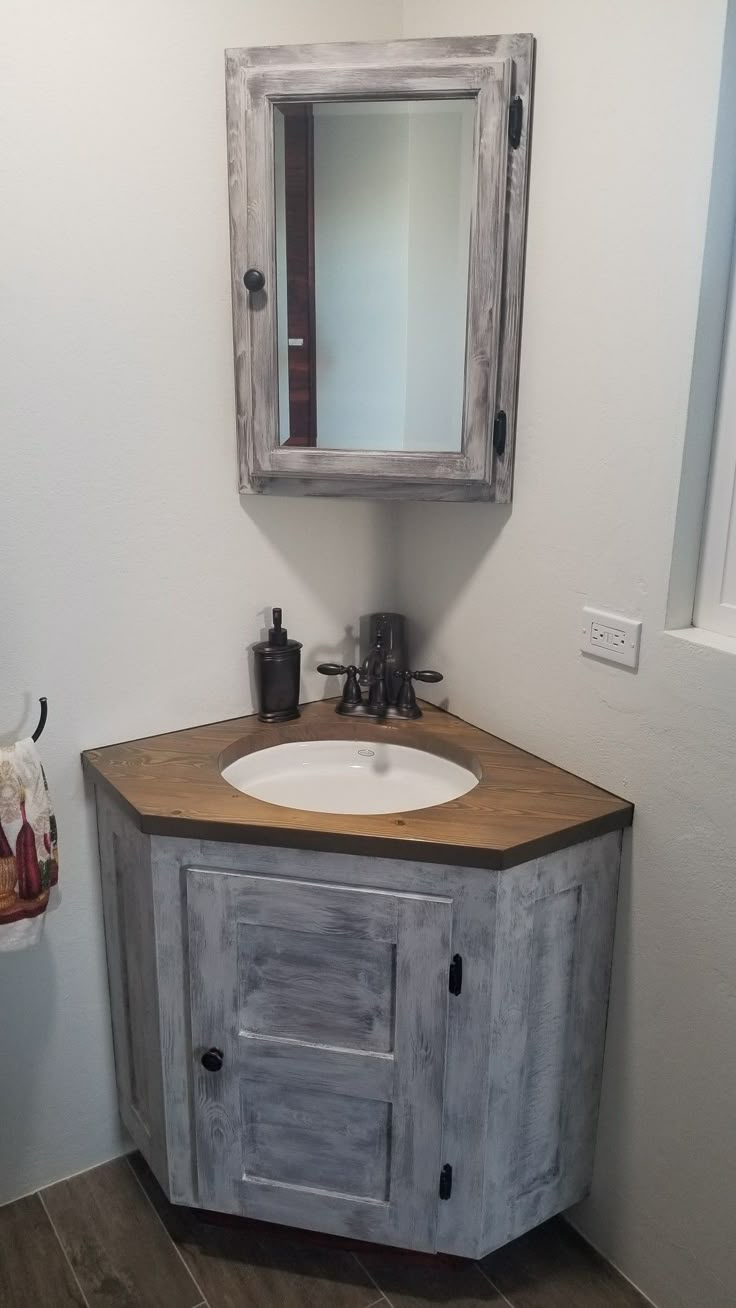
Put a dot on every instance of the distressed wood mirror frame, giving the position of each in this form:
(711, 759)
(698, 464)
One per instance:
(497, 72)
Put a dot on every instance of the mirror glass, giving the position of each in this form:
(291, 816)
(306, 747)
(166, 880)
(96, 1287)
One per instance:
(373, 204)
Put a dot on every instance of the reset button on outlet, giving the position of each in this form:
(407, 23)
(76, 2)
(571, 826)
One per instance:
(610, 636)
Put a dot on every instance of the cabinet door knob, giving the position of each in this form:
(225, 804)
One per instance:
(254, 280)
(212, 1060)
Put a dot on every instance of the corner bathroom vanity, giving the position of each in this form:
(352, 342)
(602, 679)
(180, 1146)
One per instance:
(385, 1026)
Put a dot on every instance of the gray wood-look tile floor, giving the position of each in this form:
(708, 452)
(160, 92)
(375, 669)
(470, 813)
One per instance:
(109, 1238)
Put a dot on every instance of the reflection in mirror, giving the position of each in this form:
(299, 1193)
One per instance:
(373, 204)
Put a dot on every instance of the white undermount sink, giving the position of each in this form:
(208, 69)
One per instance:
(349, 776)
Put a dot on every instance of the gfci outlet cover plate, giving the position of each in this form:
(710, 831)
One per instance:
(611, 636)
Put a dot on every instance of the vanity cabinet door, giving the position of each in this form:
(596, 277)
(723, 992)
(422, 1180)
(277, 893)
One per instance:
(329, 1006)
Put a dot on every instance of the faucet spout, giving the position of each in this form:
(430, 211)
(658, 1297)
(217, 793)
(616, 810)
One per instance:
(374, 672)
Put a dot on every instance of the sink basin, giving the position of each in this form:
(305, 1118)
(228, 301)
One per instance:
(349, 776)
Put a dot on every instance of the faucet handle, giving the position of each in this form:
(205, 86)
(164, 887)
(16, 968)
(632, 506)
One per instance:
(337, 669)
(352, 698)
(406, 703)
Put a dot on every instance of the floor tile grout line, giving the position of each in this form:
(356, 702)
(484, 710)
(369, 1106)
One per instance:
(493, 1285)
(62, 1246)
(161, 1221)
(204, 1304)
(384, 1297)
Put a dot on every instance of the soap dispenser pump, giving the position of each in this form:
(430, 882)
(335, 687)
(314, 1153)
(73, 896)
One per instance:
(277, 663)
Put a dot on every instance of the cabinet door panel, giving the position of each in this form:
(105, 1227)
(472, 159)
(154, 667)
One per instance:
(342, 994)
(332, 1020)
(316, 1140)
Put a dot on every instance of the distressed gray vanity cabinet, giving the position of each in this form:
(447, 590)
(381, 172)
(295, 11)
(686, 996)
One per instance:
(410, 1052)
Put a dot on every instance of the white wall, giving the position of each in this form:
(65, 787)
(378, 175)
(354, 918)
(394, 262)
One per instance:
(625, 111)
(132, 576)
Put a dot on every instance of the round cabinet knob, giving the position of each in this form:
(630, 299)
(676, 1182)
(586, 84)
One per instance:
(212, 1060)
(254, 280)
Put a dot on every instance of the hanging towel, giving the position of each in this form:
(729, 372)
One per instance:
(29, 858)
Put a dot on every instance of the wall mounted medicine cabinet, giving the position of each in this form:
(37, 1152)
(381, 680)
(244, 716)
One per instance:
(377, 216)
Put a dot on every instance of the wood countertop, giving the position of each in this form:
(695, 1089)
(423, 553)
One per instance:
(522, 807)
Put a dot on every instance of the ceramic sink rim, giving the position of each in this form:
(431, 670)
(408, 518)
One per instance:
(357, 776)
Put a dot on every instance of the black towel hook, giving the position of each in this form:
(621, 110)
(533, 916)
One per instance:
(42, 720)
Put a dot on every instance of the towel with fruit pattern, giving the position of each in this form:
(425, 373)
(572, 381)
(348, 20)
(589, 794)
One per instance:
(29, 858)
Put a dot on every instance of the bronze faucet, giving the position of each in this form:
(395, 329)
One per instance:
(373, 674)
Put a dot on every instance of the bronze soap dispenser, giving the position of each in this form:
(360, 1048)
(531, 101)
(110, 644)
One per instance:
(277, 663)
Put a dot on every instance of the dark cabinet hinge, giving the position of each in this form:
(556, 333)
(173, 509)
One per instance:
(446, 1182)
(456, 975)
(516, 118)
(499, 433)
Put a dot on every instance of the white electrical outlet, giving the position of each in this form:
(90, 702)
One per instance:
(611, 636)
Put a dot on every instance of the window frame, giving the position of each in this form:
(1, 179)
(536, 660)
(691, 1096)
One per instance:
(711, 611)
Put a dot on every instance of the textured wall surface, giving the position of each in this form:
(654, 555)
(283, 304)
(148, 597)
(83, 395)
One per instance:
(132, 576)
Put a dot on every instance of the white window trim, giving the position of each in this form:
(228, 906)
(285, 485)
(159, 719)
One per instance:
(715, 600)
